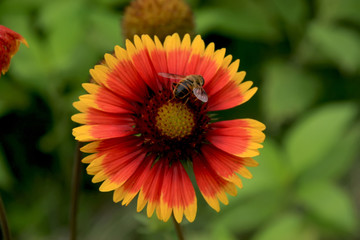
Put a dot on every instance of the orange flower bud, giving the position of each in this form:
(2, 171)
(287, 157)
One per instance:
(157, 17)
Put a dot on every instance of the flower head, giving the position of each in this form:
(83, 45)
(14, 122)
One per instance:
(157, 17)
(9, 45)
(143, 136)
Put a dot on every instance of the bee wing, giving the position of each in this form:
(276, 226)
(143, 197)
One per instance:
(171, 75)
(200, 93)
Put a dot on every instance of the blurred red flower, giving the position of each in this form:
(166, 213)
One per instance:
(9, 45)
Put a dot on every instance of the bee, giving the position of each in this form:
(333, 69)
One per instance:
(187, 84)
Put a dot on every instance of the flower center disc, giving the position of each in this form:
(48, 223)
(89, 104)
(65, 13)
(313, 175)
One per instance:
(175, 120)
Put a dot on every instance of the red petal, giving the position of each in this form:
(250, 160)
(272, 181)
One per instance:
(111, 131)
(239, 140)
(217, 82)
(114, 169)
(87, 133)
(115, 165)
(177, 194)
(134, 183)
(211, 185)
(104, 100)
(125, 81)
(96, 117)
(222, 162)
(122, 143)
(239, 123)
(151, 191)
(120, 168)
(156, 52)
(228, 97)
(119, 144)
(238, 145)
(142, 63)
(178, 61)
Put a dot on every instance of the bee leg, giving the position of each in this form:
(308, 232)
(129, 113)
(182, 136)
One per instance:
(187, 99)
(173, 94)
(171, 99)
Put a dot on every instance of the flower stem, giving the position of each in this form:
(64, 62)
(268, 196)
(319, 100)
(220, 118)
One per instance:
(3, 220)
(75, 191)
(178, 229)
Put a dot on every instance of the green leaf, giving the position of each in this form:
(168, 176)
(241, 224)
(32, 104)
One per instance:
(288, 90)
(55, 13)
(287, 226)
(338, 44)
(314, 136)
(293, 16)
(242, 19)
(292, 12)
(247, 215)
(337, 10)
(105, 30)
(112, 3)
(221, 232)
(63, 20)
(338, 161)
(330, 204)
(19, 6)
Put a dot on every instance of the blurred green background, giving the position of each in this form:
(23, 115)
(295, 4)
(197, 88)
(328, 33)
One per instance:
(303, 55)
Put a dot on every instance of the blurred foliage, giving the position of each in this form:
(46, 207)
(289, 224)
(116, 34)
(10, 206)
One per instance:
(305, 57)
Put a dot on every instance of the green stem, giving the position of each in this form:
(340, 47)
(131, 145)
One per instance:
(178, 229)
(3, 220)
(75, 191)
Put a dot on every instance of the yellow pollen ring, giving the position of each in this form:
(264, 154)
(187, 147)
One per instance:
(175, 120)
